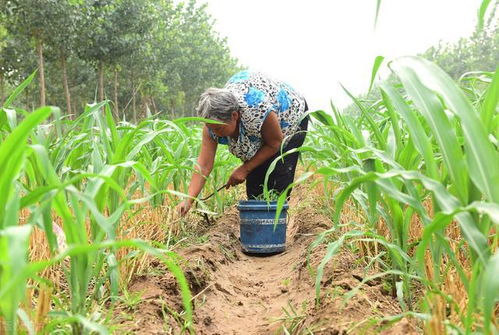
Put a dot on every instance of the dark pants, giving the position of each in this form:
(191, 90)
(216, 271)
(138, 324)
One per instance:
(284, 172)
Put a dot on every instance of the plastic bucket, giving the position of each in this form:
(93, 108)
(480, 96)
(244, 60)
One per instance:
(258, 234)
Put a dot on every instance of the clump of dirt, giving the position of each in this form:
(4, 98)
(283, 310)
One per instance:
(234, 293)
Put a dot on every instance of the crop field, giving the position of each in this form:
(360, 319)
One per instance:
(393, 227)
(419, 167)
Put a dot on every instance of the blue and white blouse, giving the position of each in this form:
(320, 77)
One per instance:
(258, 95)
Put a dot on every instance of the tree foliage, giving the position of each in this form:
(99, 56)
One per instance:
(480, 52)
(144, 55)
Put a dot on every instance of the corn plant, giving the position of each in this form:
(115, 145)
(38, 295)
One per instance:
(423, 142)
(84, 174)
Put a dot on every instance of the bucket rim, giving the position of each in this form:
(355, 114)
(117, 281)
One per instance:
(259, 205)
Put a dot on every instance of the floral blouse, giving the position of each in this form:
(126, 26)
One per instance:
(258, 95)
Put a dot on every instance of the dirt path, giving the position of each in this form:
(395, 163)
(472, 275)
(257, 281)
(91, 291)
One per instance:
(248, 294)
(234, 293)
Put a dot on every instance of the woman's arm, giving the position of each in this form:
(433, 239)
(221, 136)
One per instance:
(272, 138)
(201, 171)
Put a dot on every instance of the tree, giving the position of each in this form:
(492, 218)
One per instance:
(30, 19)
(3, 61)
(114, 29)
(17, 62)
(198, 56)
(154, 55)
(480, 52)
(61, 34)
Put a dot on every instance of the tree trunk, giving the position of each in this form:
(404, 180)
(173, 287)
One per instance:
(101, 81)
(134, 106)
(134, 110)
(26, 96)
(145, 106)
(154, 108)
(65, 82)
(116, 113)
(39, 49)
(172, 110)
(1, 87)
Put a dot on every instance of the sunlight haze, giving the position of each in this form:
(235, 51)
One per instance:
(315, 44)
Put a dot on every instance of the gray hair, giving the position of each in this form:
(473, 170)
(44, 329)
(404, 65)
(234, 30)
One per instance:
(218, 104)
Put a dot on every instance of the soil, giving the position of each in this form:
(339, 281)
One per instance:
(234, 293)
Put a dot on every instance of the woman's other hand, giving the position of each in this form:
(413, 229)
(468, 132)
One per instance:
(238, 176)
(184, 207)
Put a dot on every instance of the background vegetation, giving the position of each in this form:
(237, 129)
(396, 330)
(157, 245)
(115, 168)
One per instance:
(144, 56)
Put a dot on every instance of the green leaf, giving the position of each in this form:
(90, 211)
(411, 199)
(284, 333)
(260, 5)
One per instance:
(12, 152)
(400, 295)
(490, 103)
(481, 13)
(377, 63)
(91, 326)
(332, 249)
(431, 108)
(416, 130)
(367, 114)
(111, 126)
(378, 5)
(481, 156)
(11, 116)
(490, 291)
(13, 257)
(169, 258)
(19, 89)
(323, 117)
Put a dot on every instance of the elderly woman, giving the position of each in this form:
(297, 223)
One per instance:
(258, 115)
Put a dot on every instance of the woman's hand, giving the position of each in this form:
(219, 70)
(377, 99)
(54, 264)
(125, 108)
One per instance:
(238, 176)
(184, 207)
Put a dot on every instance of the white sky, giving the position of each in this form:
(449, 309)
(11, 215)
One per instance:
(315, 44)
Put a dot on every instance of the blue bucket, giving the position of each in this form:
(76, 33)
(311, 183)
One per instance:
(258, 235)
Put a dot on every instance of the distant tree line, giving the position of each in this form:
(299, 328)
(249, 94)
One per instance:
(146, 56)
(480, 52)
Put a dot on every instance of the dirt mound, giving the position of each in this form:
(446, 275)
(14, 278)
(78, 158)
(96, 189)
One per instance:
(234, 293)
